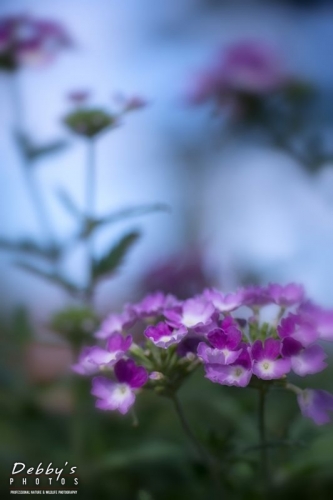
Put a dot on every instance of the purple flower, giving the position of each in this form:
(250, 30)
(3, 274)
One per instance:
(163, 335)
(238, 373)
(316, 404)
(193, 313)
(226, 344)
(296, 327)
(78, 97)
(224, 302)
(254, 296)
(248, 66)
(25, 40)
(116, 323)
(116, 347)
(321, 319)
(304, 361)
(154, 304)
(286, 296)
(85, 365)
(267, 364)
(119, 395)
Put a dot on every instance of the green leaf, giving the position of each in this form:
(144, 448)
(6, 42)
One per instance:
(37, 152)
(114, 257)
(33, 151)
(90, 225)
(50, 276)
(30, 247)
(68, 203)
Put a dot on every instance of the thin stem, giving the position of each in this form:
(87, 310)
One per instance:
(201, 451)
(263, 438)
(90, 208)
(26, 164)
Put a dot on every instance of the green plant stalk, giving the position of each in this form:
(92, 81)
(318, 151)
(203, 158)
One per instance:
(89, 209)
(201, 451)
(27, 167)
(264, 466)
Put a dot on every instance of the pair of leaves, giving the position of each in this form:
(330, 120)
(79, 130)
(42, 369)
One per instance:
(31, 248)
(101, 268)
(33, 151)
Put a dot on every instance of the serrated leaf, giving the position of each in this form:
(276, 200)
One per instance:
(115, 256)
(30, 247)
(50, 276)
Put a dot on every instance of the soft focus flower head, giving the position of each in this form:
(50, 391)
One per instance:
(29, 41)
(316, 405)
(90, 122)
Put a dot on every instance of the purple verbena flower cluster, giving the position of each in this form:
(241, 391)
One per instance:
(159, 341)
(25, 40)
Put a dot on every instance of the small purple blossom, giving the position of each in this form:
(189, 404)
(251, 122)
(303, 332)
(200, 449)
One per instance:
(286, 296)
(116, 323)
(117, 345)
(321, 319)
(316, 405)
(163, 335)
(119, 395)
(267, 363)
(85, 365)
(193, 313)
(153, 305)
(224, 302)
(304, 360)
(28, 41)
(296, 327)
(238, 373)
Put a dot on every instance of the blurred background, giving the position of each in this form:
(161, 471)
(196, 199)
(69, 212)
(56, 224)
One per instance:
(227, 169)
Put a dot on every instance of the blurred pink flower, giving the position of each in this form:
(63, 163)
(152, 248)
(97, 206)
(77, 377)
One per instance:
(28, 41)
(79, 97)
(248, 66)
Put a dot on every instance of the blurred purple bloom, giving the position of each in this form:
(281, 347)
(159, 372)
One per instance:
(321, 319)
(294, 326)
(266, 362)
(153, 304)
(316, 404)
(255, 296)
(193, 313)
(248, 66)
(224, 302)
(25, 40)
(119, 396)
(164, 335)
(116, 323)
(117, 345)
(304, 361)
(85, 365)
(182, 274)
(286, 296)
(79, 97)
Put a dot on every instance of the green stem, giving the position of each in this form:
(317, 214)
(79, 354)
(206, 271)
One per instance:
(27, 167)
(201, 451)
(90, 208)
(263, 439)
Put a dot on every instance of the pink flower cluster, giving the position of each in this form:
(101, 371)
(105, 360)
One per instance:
(248, 66)
(226, 333)
(25, 40)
